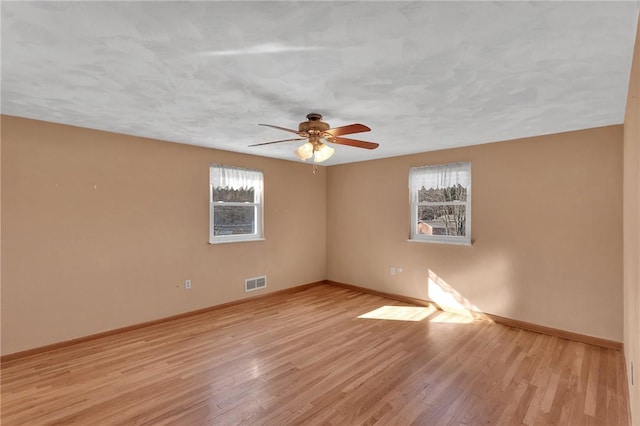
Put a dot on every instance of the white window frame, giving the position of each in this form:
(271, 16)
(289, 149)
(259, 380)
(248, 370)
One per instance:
(451, 170)
(255, 178)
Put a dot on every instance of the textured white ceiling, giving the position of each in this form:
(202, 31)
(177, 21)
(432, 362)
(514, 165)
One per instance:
(423, 75)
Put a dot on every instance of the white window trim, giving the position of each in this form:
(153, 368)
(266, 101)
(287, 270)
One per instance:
(258, 206)
(415, 236)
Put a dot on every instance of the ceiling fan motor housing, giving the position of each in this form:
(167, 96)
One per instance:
(315, 123)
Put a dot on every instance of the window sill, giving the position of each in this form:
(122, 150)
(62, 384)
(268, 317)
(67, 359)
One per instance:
(234, 240)
(454, 243)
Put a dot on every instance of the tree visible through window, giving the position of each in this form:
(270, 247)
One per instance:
(440, 203)
(236, 204)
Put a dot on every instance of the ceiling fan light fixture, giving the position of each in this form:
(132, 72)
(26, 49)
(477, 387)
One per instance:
(305, 151)
(323, 153)
(318, 133)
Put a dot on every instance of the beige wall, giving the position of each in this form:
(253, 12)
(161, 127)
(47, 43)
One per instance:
(632, 231)
(546, 231)
(100, 230)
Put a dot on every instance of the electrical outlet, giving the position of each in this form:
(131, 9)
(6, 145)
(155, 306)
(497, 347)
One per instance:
(395, 269)
(187, 284)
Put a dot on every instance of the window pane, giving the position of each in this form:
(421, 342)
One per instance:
(442, 220)
(233, 220)
(451, 193)
(241, 195)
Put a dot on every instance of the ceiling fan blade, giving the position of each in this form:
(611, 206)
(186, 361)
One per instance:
(346, 130)
(281, 128)
(284, 140)
(354, 142)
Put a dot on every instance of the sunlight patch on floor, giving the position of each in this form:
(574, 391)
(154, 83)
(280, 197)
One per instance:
(400, 313)
(449, 318)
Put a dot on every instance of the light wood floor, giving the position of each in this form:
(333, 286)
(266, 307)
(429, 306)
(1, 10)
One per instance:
(306, 358)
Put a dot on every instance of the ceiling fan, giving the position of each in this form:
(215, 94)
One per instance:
(318, 133)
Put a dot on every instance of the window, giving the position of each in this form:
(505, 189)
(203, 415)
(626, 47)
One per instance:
(441, 203)
(235, 198)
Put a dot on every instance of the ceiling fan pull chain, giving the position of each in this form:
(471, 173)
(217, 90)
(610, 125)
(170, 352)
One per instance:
(315, 168)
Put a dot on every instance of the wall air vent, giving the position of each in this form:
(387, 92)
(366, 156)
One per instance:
(256, 283)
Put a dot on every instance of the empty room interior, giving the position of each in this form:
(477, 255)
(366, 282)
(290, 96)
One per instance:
(342, 213)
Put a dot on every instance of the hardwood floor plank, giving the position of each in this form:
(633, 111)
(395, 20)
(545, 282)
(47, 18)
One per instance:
(310, 357)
